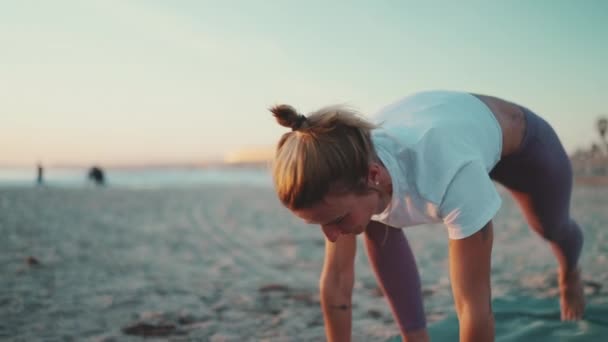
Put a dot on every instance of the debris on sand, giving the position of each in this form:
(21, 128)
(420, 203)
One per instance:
(32, 261)
(274, 288)
(147, 329)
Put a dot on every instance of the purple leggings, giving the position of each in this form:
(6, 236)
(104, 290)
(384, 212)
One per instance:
(539, 176)
(395, 268)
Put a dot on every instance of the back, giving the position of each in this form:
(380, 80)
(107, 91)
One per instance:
(453, 118)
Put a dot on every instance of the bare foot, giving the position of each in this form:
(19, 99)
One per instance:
(572, 297)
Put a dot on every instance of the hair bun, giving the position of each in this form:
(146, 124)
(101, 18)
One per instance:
(287, 116)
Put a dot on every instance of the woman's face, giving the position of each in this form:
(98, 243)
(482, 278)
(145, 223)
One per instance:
(339, 214)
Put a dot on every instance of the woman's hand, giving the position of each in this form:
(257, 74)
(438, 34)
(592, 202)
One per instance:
(470, 260)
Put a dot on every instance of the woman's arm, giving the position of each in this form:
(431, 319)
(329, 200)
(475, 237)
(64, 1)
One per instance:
(470, 260)
(336, 287)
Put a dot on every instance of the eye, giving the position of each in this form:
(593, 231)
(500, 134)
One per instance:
(339, 219)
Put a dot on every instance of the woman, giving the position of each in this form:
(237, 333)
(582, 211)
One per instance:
(432, 157)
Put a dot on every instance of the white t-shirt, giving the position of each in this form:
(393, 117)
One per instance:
(439, 147)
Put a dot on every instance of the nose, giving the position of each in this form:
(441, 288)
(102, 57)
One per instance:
(332, 234)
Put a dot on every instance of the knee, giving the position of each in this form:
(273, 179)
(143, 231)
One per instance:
(566, 230)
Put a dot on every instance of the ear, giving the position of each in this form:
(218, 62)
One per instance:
(373, 174)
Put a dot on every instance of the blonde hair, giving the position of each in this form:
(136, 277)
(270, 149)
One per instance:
(328, 150)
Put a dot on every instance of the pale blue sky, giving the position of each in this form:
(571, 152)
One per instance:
(184, 81)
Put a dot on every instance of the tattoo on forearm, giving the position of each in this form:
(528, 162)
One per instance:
(340, 307)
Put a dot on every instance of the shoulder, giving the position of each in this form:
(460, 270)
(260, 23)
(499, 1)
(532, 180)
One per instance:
(418, 105)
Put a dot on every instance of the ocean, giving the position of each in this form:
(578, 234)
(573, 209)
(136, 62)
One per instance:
(211, 255)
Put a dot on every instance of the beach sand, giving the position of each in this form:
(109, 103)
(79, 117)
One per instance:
(226, 263)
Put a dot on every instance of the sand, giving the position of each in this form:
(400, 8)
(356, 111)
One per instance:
(226, 263)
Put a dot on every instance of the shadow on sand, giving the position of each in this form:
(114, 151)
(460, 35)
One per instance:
(532, 319)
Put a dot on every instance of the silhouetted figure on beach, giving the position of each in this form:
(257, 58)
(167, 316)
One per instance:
(602, 128)
(40, 177)
(96, 175)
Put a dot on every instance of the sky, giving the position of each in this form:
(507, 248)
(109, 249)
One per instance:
(135, 82)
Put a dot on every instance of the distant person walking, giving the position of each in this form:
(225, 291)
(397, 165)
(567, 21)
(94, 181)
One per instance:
(431, 157)
(40, 174)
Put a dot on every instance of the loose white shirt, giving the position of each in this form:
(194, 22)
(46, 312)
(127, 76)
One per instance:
(439, 147)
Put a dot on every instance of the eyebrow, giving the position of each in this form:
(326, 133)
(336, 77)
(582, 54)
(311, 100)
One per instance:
(333, 221)
(337, 219)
